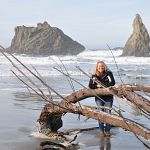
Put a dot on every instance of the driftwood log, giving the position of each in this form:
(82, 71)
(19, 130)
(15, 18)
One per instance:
(67, 105)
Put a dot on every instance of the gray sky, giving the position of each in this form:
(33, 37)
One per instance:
(93, 23)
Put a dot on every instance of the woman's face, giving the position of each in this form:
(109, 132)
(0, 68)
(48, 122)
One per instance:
(100, 67)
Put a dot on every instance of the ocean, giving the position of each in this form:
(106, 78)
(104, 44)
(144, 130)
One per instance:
(20, 107)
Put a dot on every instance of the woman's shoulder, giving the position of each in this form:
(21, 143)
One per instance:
(109, 72)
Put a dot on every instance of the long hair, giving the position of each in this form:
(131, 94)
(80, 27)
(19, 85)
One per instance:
(105, 70)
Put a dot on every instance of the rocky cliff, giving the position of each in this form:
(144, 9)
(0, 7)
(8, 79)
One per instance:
(43, 40)
(138, 42)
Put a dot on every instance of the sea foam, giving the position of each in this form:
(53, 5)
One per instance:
(88, 57)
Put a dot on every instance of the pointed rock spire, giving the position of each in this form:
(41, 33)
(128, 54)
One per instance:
(138, 42)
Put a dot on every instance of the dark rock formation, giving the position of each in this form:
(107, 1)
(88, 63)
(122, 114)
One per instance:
(117, 48)
(43, 40)
(138, 43)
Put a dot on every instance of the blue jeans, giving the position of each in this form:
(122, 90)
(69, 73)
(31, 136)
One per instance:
(107, 103)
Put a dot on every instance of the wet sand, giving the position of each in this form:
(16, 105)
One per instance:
(120, 140)
(19, 114)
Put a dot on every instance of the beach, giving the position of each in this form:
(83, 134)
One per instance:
(20, 107)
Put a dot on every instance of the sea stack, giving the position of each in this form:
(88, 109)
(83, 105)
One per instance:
(138, 42)
(43, 40)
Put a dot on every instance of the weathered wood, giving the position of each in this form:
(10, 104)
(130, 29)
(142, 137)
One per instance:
(122, 91)
(138, 100)
(114, 120)
(136, 87)
(129, 93)
(102, 116)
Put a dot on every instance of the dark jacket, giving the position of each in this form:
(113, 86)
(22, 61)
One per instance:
(106, 80)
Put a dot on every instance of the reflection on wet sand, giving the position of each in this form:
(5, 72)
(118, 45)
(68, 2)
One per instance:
(105, 143)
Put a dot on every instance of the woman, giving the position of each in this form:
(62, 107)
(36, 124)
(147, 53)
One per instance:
(103, 77)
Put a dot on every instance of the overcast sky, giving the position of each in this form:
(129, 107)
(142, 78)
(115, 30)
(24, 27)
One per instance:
(93, 23)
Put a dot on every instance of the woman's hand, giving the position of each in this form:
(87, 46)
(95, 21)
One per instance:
(99, 86)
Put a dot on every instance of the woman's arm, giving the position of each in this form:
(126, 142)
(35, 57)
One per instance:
(112, 80)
